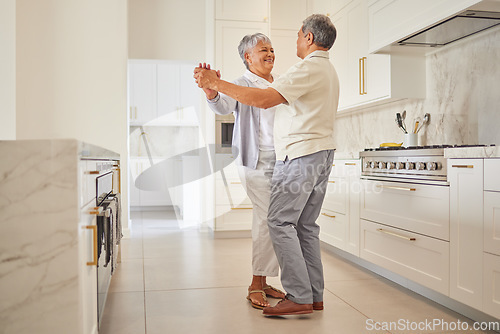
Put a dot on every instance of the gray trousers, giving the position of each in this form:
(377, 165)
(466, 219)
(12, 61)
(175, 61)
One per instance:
(297, 193)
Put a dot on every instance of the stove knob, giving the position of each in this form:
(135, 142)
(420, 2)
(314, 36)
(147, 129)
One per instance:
(391, 165)
(410, 165)
(381, 165)
(400, 165)
(431, 166)
(420, 165)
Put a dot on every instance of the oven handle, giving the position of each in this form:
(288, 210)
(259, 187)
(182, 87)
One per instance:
(396, 235)
(397, 188)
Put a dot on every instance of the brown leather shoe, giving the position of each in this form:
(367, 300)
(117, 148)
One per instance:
(287, 307)
(318, 306)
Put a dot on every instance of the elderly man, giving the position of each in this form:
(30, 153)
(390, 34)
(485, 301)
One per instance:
(307, 99)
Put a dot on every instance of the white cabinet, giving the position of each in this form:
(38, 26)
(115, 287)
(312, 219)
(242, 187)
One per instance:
(163, 93)
(339, 218)
(420, 258)
(491, 255)
(466, 230)
(367, 79)
(326, 7)
(392, 20)
(233, 208)
(285, 49)
(240, 10)
(142, 92)
(228, 35)
(177, 93)
(153, 185)
(288, 14)
(491, 293)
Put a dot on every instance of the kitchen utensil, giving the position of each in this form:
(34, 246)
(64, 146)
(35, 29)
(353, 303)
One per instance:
(415, 128)
(399, 122)
(403, 117)
(425, 121)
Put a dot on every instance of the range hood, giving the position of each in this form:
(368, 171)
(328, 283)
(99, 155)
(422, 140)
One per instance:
(461, 25)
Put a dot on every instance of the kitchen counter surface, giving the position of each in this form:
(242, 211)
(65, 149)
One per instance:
(472, 152)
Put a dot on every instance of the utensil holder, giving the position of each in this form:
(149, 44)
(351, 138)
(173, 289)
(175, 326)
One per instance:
(410, 139)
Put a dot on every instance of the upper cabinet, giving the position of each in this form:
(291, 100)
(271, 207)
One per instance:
(367, 79)
(392, 20)
(288, 14)
(327, 7)
(162, 93)
(239, 10)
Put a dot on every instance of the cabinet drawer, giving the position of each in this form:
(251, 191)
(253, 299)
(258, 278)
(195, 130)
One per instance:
(492, 222)
(422, 259)
(336, 196)
(414, 207)
(333, 228)
(234, 194)
(491, 174)
(233, 219)
(491, 293)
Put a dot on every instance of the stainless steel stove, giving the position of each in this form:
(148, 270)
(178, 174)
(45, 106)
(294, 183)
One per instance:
(412, 163)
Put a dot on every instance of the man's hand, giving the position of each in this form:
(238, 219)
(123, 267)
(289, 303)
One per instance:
(206, 78)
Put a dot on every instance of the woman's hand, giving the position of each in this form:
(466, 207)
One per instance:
(210, 93)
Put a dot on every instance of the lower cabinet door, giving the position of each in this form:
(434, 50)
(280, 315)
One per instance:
(491, 292)
(88, 269)
(333, 228)
(422, 259)
(233, 219)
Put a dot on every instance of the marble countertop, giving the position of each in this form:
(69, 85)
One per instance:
(82, 149)
(472, 152)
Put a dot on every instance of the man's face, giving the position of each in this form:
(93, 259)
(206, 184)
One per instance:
(301, 44)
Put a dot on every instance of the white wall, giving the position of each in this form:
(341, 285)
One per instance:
(7, 69)
(72, 73)
(161, 29)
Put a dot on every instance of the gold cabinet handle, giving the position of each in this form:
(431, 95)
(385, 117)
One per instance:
(396, 235)
(360, 60)
(235, 182)
(135, 112)
(329, 216)
(462, 166)
(364, 61)
(241, 208)
(397, 188)
(350, 164)
(331, 181)
(92, 172)
(333, 165)
(94, 228)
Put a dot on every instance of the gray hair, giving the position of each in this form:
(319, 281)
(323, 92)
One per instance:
(249, 42)
(322, 28)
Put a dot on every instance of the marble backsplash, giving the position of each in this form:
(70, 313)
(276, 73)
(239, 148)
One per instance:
(462, 97)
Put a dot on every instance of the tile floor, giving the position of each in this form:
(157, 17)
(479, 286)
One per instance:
(181, 280)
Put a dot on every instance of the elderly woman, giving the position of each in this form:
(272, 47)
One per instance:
(253, 137)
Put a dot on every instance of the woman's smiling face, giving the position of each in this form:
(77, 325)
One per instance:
(260, 59)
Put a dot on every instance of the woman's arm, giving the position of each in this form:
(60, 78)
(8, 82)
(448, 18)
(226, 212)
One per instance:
(260, 98)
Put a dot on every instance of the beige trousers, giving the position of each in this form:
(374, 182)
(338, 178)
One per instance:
(257, 183)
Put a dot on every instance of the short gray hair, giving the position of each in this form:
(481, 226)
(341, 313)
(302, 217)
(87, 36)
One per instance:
(249, 42)
(322, 28)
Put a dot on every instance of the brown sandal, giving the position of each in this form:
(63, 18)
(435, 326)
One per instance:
(267, 287)
(255, 305)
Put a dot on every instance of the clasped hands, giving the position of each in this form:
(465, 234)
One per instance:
(205, 77)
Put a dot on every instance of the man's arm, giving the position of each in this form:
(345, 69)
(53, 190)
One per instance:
(256, 97)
